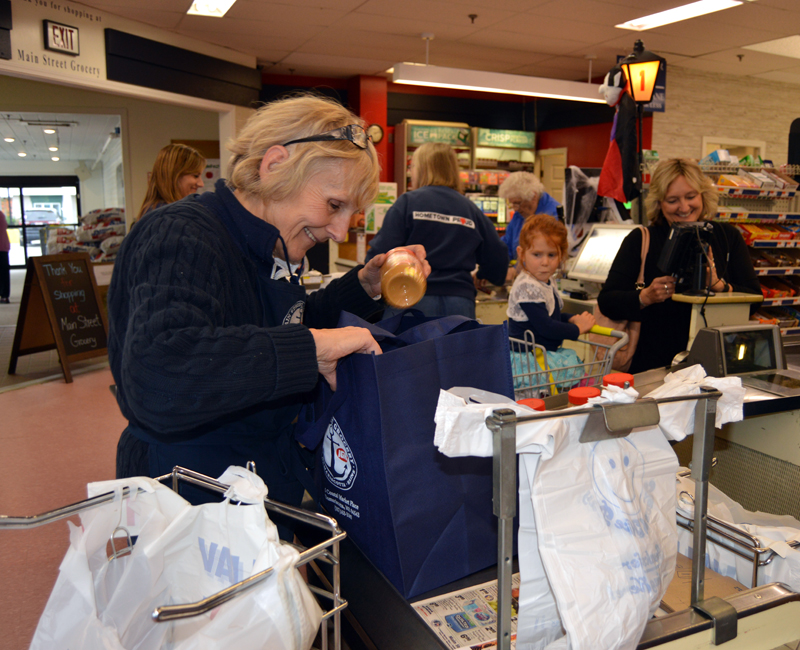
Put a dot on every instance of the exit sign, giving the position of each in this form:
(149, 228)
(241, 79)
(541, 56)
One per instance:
(61, 38)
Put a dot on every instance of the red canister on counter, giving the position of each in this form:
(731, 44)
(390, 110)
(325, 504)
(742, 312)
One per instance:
(532, 402)
(580, 395)
(618, 379)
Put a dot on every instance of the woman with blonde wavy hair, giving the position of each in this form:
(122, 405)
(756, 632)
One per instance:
(679, 193)
(213, 341)
(177, 173)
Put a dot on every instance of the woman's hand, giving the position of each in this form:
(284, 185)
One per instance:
(370, 275)
(715, 283)
(659, 290)
(334, 344)
(512, 273)
(584, 321)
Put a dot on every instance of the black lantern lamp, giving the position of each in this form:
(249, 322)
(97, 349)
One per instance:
(641, 68)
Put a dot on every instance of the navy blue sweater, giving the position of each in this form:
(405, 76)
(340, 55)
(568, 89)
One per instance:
(456, 236)
(189, 345)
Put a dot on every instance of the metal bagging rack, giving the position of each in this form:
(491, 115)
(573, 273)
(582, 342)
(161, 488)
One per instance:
(326, 551)
(607, 421)
(735, 540)
(533, 376)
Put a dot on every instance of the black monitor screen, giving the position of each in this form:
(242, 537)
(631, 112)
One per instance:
(683, 255)
(749, 351)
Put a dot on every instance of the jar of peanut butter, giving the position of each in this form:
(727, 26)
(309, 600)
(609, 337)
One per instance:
(402, 278)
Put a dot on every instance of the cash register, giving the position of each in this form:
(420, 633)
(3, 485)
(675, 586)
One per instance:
(752, 352)
(589, 268)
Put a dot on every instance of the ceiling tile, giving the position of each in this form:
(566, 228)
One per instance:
(437, 12)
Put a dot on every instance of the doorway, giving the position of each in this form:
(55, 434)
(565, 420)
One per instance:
(35, 207)
(550, 168)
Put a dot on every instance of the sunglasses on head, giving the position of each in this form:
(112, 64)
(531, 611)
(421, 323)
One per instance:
(352, 132)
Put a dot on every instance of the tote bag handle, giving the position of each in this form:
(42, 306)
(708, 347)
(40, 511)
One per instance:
(396, 330)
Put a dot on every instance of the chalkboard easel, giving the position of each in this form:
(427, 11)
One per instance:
(60, 309)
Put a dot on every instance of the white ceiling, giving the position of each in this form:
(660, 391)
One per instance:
(545, 38)
(82, 140)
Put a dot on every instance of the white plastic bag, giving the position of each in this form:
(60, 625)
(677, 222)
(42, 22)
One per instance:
(772, 531)
(597, 535)
(677, 421)
(182, 553)
(600, 521)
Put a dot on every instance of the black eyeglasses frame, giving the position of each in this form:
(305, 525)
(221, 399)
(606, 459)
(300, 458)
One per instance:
(354, 133)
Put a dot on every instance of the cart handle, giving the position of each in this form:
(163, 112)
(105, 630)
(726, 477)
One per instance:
(606, 331)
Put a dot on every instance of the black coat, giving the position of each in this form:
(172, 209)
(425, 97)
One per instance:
(665, 326)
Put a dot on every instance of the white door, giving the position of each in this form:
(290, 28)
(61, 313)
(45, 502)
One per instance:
(550, 166)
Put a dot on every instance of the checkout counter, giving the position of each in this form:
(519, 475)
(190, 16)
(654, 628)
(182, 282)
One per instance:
(768, 616)
(758, 466)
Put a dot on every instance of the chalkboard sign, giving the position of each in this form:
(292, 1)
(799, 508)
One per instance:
(60, 309)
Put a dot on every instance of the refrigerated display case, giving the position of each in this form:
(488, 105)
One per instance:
(410, 134)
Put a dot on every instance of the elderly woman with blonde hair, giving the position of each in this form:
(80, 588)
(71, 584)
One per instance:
(679, 193)
(213, 341)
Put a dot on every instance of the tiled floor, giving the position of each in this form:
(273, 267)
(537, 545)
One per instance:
(54, 439)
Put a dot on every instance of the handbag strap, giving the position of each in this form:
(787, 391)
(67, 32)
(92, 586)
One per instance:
(645, 248)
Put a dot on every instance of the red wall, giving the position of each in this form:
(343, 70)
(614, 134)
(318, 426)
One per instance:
(587, 145)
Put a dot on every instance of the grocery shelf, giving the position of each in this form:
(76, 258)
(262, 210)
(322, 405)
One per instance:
(754, 192)
(781, 302)
(774, 243)
(778, 270)
(744, 216)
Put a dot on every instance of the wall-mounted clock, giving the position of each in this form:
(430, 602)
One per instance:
(375, 131)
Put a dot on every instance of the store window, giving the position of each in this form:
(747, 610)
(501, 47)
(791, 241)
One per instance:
(35, 207)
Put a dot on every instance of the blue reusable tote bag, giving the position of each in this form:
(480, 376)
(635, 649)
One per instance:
(422, 518)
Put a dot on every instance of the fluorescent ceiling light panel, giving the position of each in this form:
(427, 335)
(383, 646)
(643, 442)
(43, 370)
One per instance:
(678, 14)
(495, 82)
(789, 46)
(214, 8)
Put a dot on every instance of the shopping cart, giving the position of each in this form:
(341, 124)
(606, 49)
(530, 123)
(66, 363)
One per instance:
(327, 551)
(534, 376)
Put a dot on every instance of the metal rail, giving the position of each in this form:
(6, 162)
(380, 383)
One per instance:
(618, 420)
(327, 550)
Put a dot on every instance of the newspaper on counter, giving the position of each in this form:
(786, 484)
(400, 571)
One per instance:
(467, 619)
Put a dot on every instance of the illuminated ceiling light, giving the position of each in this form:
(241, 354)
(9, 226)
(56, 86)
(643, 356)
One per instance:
(55, 158)
(9, 139)
(53, 148)
(22, 154)
(49, 131)
(692, 10)
(495, 82)
(214, 8)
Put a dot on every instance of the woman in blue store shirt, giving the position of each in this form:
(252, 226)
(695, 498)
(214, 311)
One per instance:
(526, 195)
(456, 235)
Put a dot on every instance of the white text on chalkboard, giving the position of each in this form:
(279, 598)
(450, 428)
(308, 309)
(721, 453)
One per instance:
(70, 296)
(82, 343)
